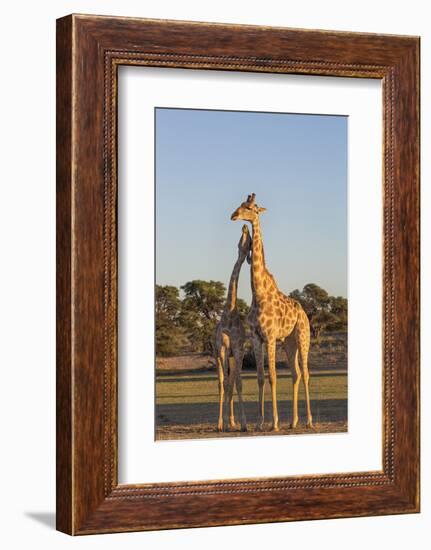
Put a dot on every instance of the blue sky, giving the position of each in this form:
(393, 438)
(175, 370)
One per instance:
(207, 162)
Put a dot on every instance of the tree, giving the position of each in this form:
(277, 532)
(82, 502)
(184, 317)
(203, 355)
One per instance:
(207, 297)
(170, 337)
(339, 308)
(321, 321)
(243, 308)
(316, 299)
(168, 301)
(201, 309)
(324, 312)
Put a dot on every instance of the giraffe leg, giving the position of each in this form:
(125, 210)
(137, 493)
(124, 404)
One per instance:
(229, 394)
(227, 398)
(291, 349)
(273, 382)
(238, 381)
(258, 353)
(306, 377)
(232, 424)
(221, 393)
(221, 385)
(303, 341)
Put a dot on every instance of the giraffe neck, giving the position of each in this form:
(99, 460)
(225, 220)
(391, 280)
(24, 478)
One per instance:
(258, 267)
(233, 285)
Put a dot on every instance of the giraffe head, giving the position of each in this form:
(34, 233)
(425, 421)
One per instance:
(248, 211)
(244, 245)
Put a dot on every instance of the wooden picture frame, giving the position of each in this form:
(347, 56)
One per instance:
(89, 51)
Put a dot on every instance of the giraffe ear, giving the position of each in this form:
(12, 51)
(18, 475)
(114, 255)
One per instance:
(260, 209)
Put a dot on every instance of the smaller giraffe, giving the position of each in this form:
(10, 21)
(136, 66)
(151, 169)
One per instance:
(229, 344)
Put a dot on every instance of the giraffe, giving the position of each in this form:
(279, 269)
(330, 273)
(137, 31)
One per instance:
(274, 316)
(229, 344)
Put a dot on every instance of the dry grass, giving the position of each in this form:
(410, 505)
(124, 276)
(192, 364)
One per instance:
(186, 362)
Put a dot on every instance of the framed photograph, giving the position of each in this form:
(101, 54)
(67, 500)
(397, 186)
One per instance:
(237, 274)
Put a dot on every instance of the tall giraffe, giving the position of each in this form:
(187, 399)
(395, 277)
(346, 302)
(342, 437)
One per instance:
(274, 316)
(229, 344)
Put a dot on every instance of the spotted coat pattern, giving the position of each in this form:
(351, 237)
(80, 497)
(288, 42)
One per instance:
(274, 317)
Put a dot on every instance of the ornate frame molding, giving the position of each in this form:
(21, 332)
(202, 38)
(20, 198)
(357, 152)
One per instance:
(90, 49)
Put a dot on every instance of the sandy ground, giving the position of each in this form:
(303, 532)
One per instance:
(208, 431)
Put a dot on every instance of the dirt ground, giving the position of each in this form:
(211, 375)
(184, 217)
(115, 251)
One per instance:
(208, 431)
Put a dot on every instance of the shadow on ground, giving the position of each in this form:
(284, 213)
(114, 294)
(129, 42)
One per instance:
(328, 410)
(45, 518)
